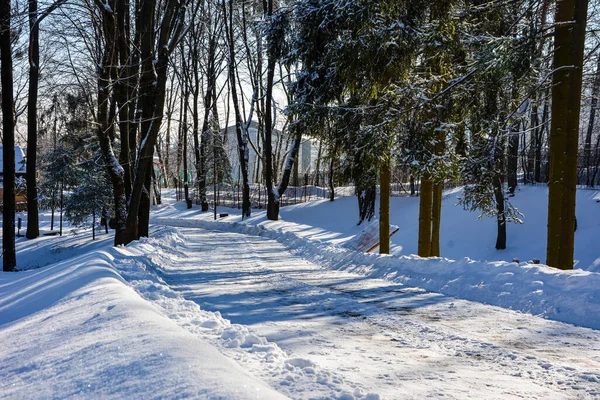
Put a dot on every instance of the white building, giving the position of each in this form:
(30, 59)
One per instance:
(307, 161)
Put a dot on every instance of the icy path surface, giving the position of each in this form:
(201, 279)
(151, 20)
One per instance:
(385, 338)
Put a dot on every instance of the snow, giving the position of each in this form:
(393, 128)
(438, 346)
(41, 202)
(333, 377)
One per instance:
(283, 309)
(76, 329)
(372, 336)
(318, 231)
(20, 166)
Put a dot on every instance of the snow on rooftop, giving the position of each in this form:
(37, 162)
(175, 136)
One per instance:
(19, 160)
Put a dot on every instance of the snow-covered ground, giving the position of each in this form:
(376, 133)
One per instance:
(318, 232)
(258, 309)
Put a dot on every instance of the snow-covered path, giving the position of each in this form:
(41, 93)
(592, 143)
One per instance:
(377, 336)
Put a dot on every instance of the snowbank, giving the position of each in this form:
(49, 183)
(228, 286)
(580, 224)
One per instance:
(104, 324)
(567, 296)
(76, 329)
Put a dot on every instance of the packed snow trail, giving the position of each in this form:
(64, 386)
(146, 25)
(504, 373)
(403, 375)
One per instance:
(382, 337)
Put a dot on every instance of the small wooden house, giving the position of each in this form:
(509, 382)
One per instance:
(20, 169)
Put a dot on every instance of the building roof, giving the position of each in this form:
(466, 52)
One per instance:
(19, 160)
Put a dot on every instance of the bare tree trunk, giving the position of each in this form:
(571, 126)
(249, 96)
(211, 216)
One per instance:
(152, 85)
(587, 147)
(425, 215)
(436, 206)
(564, 132)
(513, 158)
(272, 195)
(144, 210)
(332, 155)
(180, 129)
(436, 219)
(9, 253)
(105, 126)
(539, 143)
(186, 180)
(167, 153)
(122, 89)
(33, 229)
(242, 133)
(290, 162)
(597, 164)
(200, 136)
(500, 213)
(384, 209)
(318, 166)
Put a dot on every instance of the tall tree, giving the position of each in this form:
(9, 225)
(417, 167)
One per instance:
(241, 129)
(272, 54)
(9, 252)
(569, 37)
(356, 56)
(105, 125)
(155, 51)
(439, 67)
(33, 228)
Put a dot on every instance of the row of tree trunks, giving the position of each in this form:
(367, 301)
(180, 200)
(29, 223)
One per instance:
(587, 147)
(183, 127)
(104, 125)
(118, 69)
(154, 56)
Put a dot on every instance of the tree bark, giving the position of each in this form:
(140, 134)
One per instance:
(330, 182)
(436, 207)
(436, 219)
(539, 142)
(384, 208)
(241, 132)
(105, 126)
(289, 164)
(208, 105)
(513, 158)
(272, 194)
(318, 166)
(33, 228)
(186, 180)
(587, 147)
(9, 253)
(425, 216)
(152, 93)
(200, 136)
(144, 210)
(500, 213)
(569, 40)
(122, 90)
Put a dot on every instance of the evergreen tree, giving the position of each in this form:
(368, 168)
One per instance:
(60, 174)
(355, 58)
(500, 55)
(92, 196)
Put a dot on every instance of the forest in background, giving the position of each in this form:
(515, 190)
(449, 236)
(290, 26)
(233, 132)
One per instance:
(112, 99)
